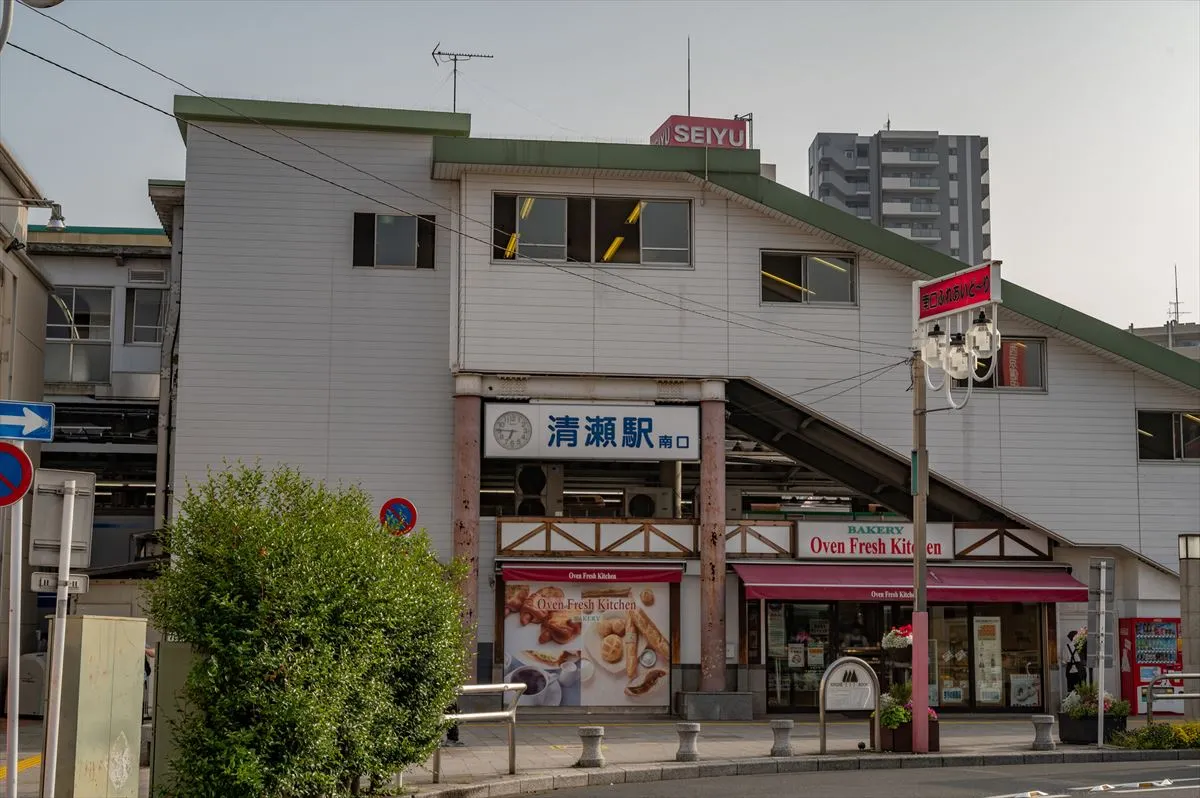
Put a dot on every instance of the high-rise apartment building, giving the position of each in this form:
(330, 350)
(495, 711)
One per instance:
(917, 183)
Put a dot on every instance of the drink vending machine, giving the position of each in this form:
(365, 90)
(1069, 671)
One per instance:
(1150, 648)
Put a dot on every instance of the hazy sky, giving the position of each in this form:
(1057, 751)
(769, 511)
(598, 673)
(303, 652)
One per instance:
(1093, 109)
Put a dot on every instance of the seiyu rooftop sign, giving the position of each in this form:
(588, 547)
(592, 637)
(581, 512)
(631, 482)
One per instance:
(702, 131)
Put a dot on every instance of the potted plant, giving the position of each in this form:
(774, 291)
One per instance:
(895, 722)
(1078, 711)
(898, 643)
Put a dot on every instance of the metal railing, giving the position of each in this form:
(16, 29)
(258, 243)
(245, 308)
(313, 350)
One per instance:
(508, 715)
(1167, 678)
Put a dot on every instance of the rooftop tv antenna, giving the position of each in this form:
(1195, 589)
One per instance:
(1174, 313)
(440, 58)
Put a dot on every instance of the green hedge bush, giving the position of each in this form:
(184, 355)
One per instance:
(328, 649)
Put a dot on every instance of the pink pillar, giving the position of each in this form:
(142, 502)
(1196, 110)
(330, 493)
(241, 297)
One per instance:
(920, 682)
(464, 512)
(712, 537)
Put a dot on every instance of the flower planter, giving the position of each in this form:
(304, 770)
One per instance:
(899, 654)
(900, 739)
(1082, 731)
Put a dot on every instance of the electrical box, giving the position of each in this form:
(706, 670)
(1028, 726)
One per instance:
(31, 699)
(100, 732)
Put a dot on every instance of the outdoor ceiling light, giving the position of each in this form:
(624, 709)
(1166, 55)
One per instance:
(933, 349)
(981, 339)
(58, 222)
(957, 360)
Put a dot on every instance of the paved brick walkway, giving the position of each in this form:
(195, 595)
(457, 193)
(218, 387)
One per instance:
(548, 745)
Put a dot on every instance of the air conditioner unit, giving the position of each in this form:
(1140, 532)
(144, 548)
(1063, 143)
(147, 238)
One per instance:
(141, 275)
(539, 489)
(649, 503)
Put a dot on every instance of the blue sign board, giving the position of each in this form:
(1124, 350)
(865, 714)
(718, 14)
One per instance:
(27, 421)
(398, 516)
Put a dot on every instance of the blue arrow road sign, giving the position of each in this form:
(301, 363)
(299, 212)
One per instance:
(27, 421)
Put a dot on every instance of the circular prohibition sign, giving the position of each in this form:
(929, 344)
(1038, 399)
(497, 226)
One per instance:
(16, 473)
(398, 516)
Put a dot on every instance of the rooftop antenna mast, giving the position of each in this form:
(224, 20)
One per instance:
(689, 76)
(440, 57)
(1174, 312)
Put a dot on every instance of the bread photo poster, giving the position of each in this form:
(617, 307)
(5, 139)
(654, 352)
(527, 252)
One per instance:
(579, 644)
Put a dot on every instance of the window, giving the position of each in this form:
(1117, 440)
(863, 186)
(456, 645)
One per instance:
(849, 154)
(383, 241)
(808, 278)
(954, 202)
(954, 150)
(79, 335)
(1165, 435)
(954, 225)
(144, 312)
(1022, 366)
(954, 175)
(601, 230)
(953, 253)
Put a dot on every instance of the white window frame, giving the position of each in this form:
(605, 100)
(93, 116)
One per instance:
(131, 326)
(1016, 389)
(73, 343)
(1177, 440)
(566, 246)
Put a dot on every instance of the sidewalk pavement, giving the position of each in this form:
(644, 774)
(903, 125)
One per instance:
(645, 750)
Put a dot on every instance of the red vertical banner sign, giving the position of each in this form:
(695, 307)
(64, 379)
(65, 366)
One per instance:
(1013, 363)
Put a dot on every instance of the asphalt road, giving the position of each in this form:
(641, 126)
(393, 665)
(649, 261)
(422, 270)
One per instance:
(1040, 781)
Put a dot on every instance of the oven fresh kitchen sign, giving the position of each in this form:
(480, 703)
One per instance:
(871, 541)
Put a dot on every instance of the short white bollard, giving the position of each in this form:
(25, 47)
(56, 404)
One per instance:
(592, 756)
(782, 729)
(1042, 726)
(688, 732)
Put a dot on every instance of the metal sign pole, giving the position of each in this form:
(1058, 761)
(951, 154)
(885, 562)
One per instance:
(16, 546)
(1101, 665)
(59, 644)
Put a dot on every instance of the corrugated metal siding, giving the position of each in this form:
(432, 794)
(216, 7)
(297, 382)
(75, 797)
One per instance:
(1065, 458)
(287, 353)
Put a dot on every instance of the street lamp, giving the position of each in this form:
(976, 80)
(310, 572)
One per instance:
(954, 331)
(1189, 611)
(7, 7)
(57, 223)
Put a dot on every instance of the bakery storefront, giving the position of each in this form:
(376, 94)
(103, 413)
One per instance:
(590, 634)
(991, 592)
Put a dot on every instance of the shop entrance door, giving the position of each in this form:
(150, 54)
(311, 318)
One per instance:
(798, 650)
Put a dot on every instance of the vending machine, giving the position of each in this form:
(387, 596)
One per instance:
(1150, 648)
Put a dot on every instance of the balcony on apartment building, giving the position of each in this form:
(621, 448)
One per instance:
(911, 209)
(915, 183)
(917, 233)
(907, 158)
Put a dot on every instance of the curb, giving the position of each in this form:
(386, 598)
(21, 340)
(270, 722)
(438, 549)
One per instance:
(567, 778)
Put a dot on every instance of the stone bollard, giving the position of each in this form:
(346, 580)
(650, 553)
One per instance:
(782, 729)
(1043, 725)
(592, 756)
(688, 732)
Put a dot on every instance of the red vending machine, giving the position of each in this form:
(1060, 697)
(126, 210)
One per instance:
(1150, 647)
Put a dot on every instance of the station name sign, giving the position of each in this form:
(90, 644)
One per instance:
(871, 542)
(702, 131)
(979, 285)
(591, 432)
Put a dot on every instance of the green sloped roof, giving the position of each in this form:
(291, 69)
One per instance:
(737, 171)
(189, 108)
(102, 231)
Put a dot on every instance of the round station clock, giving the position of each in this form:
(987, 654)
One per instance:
(512, 430)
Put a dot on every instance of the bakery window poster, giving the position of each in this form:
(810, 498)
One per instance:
(588, 645)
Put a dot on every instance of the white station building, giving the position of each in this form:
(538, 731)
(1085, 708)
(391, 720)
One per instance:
(661, 403)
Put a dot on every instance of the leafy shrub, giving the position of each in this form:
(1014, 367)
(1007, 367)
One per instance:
(1162, 736)
(1083, 702)
(326, 648)
(895, 706)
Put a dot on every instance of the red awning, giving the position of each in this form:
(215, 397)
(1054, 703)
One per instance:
(840, 581)
(589, 572)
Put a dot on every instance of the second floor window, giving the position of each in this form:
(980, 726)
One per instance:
(596, 230)
(1022, 366)
(1166, 435)
(144, 311)
(807, 278)
(79, 335)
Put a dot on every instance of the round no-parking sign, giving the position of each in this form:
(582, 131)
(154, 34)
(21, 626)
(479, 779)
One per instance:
(398, 516)
(16, 474)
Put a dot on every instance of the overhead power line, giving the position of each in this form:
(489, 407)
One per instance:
(450, 210)
(416, 195)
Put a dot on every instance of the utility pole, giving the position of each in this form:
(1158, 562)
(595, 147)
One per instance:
(440, 58)
(920, 620)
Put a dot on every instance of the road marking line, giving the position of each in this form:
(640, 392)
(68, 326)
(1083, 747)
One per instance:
(22, 765)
